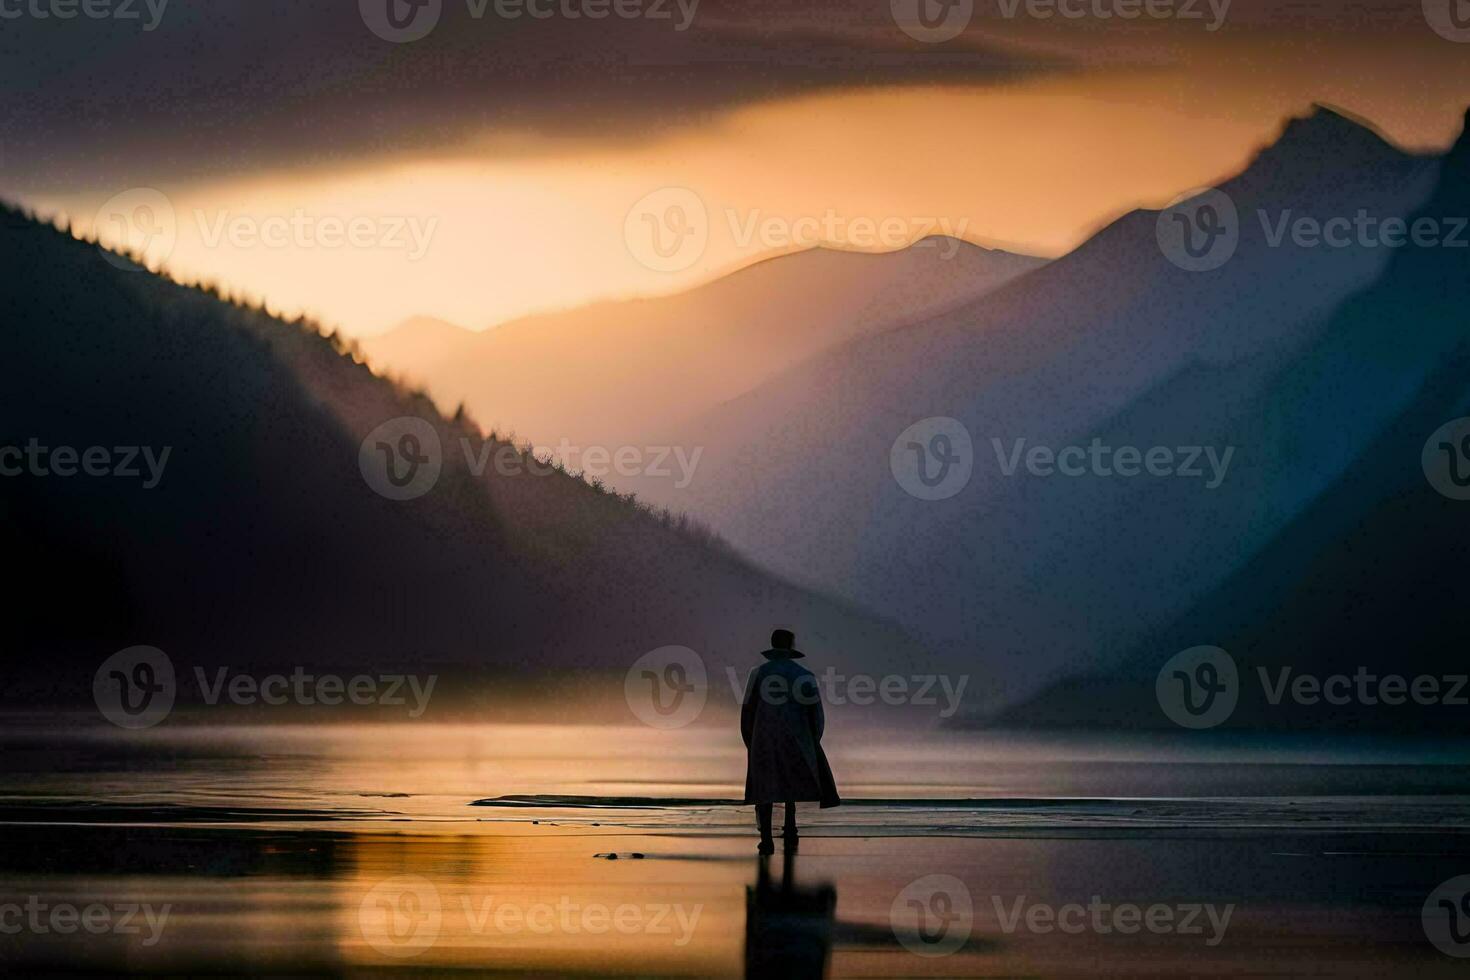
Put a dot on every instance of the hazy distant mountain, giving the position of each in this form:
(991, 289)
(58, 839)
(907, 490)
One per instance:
(1037, 575)
(1373, 573)
(623, 373)
(264, 545)
(414, 346)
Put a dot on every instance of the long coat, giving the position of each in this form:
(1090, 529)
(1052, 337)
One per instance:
(781, 721)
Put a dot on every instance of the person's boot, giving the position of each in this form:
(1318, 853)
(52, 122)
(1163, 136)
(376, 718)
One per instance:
(763, 821)
(788, 831)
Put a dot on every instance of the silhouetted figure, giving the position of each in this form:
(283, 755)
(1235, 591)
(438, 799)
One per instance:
(788, 930)
(781, 722)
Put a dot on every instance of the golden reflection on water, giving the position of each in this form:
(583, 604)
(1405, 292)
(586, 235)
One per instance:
(257, 856)
(536, 905)
(263, 901)
(383, 901)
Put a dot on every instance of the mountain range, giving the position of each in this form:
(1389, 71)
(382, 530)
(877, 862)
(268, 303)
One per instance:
(263, 543)
(1039, 576)
(1301, 375)
(1368, 578)
(614, 374)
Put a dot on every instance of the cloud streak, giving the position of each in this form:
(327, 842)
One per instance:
(245, 85)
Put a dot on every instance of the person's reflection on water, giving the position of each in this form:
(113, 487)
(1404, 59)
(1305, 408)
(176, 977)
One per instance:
(788, 928)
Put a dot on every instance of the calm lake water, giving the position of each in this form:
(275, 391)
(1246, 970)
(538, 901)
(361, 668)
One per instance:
(355, 850)
(433, 771)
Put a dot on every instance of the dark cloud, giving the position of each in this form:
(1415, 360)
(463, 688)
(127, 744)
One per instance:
(231, 86)
(249, 83)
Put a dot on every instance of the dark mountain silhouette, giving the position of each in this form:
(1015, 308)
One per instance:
(263, 545)
(1373, 573)
(1037, 575)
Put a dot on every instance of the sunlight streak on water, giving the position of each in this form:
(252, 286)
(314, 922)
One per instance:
(432, 772)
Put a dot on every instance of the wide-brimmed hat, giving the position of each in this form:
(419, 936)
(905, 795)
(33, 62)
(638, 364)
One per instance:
(782, 646)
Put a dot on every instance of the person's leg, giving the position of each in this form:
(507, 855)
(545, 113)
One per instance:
(763, 822)
(788, 829)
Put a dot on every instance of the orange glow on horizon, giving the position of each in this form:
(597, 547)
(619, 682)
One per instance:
(1033, 166)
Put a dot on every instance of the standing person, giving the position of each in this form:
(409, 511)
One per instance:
(781, 722)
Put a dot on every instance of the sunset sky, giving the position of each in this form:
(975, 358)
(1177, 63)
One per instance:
(488, 177)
